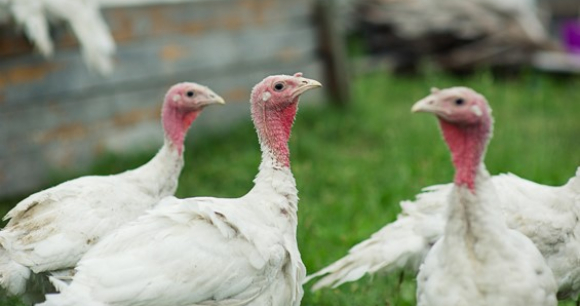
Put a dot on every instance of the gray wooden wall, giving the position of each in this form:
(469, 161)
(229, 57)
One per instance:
(57, 116)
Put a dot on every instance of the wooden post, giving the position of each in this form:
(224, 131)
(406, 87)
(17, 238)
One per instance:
(333, 52)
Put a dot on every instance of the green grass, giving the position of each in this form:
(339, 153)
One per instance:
(354, 165)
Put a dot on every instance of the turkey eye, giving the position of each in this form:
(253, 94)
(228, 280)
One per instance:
(459, 101)
(278, 86)
(190, 93)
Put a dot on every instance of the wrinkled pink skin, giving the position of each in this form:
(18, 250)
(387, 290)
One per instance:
(467, 145)
(274, 116)
(465, 132)
(177, 116)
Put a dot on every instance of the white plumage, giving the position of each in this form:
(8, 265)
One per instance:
(466, 19)
(84, 18)
(548, 215)
(52, 229)
(494, 266)
(199, 251)
(209, 251)
(479, 260)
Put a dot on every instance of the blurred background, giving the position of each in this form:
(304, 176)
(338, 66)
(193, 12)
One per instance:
(82, 77)
(82, 81)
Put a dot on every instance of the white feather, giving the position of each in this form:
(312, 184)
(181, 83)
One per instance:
(200, 251)
(13, 276)
(547, 215)
(51, 230)
(480, 261)
(30, 14)
(85, 20)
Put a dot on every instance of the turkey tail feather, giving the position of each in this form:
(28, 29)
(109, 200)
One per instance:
(396, 245)
(403, 243)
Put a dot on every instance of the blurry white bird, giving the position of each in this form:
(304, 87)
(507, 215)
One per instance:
(479, 260)
(524, 12)
(210, 251)
(84, 18)
(52, 229)
(465, 19)
(548, 215)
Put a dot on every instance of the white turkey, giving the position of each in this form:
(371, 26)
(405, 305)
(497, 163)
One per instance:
(456, 35)
(479, 260)
(210, 251)
(51, 230)
(548, 215)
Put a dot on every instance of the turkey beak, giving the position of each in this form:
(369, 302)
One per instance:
(211, 98)
(426, 105)
(305, 85)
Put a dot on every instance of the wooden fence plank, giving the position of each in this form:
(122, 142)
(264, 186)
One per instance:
(27, 78)
(333, 50)
(122, 121)
(135, 23)
(56, 116)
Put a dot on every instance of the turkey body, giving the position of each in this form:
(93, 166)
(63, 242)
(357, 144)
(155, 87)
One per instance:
(210, 251)
(198, 251)
(482, 262)
(479, 260)
(548, 215)
(52, 229)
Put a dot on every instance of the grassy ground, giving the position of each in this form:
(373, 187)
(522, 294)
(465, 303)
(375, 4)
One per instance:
(353, 166)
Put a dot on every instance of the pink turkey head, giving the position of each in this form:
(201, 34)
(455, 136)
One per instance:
(189, 97)
(183, 103)
(458, 105)
(274, 105)
(281, 91)
(466, 124)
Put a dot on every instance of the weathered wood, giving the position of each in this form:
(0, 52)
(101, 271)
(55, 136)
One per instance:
(160, 39)
(29, 77)
(563, 8)
(127, 121)
(133, 23)
(333, 51)
(56, 116)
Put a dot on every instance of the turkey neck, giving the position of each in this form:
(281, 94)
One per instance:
(273, 127)
(176, 122)
(161, 173)
(467, 144)
(470, 217)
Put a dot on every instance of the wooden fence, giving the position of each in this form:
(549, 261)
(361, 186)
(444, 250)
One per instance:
(55, 115)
